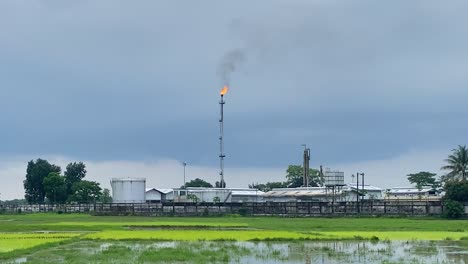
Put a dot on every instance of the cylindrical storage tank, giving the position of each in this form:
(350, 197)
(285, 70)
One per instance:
(128, 190)
(334, 178)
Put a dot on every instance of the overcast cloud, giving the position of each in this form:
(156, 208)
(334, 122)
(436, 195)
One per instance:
(131, 88)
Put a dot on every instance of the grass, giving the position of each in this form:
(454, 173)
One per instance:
(269, 235)
(15, 241)
(260, 228)
(82, 222)
(196, 235)
(146, 224)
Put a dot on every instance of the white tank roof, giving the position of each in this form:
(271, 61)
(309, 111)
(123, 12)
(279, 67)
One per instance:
(128, 179)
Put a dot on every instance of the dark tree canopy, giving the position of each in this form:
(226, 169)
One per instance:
(197, 183)
(106, 196)
(85, 192)
(456, 194)
(422, 179)
(456, 191)
(74, 172)
(36, 172)
(55, 188)
(295, 176)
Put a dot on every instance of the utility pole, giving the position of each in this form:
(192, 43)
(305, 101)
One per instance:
(357, 192)
(363, 189)
(306, 166)
(185, 164)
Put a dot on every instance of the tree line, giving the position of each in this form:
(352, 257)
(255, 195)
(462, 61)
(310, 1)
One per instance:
(45, 183)
(454, 183)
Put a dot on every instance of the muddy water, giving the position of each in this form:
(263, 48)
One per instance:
(358, 252)
(264, 252)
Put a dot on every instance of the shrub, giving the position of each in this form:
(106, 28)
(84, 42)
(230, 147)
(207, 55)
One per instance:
(243, 211)
(453, 209)
(457, 191)
(206, 212)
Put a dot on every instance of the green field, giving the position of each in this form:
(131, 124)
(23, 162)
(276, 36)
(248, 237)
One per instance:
(25, 234)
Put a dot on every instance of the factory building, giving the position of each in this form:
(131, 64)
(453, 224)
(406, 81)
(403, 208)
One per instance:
(346, 193)
(154, 195)
(410, 193)
(223, 195)
(368, 192)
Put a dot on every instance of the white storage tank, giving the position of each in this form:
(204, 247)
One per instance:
(128, 190)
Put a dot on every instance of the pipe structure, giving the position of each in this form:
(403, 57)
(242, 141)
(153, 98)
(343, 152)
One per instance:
(185, 164)
(357, 191)
(221, 143)
(306, 167)
(362, 174)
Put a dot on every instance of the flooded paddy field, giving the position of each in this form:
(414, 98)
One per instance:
(79, 238)
(250, 252)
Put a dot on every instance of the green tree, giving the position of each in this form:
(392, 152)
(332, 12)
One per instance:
(85, 192)
(422, 179)
(456, 191)
(457, 164)
(295, 176)
(36, 172)
(453, 209)
(197, 183)
(106, 196)
(55, 188)
(193, 198)
(74, 172)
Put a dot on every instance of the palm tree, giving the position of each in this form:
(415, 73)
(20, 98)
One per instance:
(457, 163)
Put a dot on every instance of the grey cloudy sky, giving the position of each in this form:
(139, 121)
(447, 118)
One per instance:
(131, 87)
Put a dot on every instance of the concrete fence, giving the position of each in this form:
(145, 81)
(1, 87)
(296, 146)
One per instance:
(387, 208)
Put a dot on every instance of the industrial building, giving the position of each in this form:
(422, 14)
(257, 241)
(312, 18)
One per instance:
(346, 193)
(410, 193)
(154, 195)
(223, 195)
(368, 192)
(128, 190)
(301, 194)
(133, 190)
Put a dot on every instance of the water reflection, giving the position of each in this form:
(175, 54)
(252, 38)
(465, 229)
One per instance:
(359, 252)
(254, 252)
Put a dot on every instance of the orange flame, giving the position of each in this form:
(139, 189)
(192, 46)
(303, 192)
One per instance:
(224, 90)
